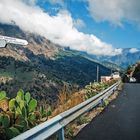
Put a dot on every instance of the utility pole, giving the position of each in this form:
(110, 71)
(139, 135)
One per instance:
(97, 76)
(111, 71)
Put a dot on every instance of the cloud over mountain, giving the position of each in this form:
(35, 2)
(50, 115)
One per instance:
(133, 50)
(59, 28)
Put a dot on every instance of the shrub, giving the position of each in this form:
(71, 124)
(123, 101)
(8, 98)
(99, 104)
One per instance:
(81, 120)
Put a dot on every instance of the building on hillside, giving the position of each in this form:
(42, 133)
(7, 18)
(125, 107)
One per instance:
(105, 78)
(115, 76)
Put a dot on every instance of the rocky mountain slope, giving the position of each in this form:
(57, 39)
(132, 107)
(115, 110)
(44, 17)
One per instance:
(128, 57)
(37, 44)
(42, 67)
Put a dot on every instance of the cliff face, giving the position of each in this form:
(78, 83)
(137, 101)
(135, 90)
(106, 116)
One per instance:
(136, 73)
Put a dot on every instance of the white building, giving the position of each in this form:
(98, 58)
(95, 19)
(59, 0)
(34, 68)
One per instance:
(116, 75)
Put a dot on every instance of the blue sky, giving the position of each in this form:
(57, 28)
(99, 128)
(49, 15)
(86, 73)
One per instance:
(125, 36)
(98, 27)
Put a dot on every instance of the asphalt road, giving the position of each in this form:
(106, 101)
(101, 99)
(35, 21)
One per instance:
(119, 121)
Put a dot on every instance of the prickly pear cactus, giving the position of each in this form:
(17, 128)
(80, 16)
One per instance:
(20, 114)
(3, 101)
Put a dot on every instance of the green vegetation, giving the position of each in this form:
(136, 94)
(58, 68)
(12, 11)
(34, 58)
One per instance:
(112, 66)
(69, 133)
(19, 114)
(44, 78)
(81, 120)
(68, 53)
(67, 101)
(94, 88)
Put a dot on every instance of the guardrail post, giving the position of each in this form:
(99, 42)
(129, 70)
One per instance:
(61, 134)
(102, 104)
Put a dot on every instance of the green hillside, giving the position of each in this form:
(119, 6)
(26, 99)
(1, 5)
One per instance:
(43, 68)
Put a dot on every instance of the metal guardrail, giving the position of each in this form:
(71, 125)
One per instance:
(57, 124)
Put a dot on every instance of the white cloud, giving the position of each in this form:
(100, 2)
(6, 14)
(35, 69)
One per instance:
(115, 11)
(133, 50)
(60, 28)
(78, 23)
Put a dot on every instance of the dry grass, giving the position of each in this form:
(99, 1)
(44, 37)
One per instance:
(68, 100)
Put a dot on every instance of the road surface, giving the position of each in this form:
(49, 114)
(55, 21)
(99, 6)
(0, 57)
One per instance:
(119, 121)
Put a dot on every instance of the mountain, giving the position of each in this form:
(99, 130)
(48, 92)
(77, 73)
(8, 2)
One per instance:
(42, 67)
(112, 66)
(128, 57)
(94, 58)
(37, 44)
